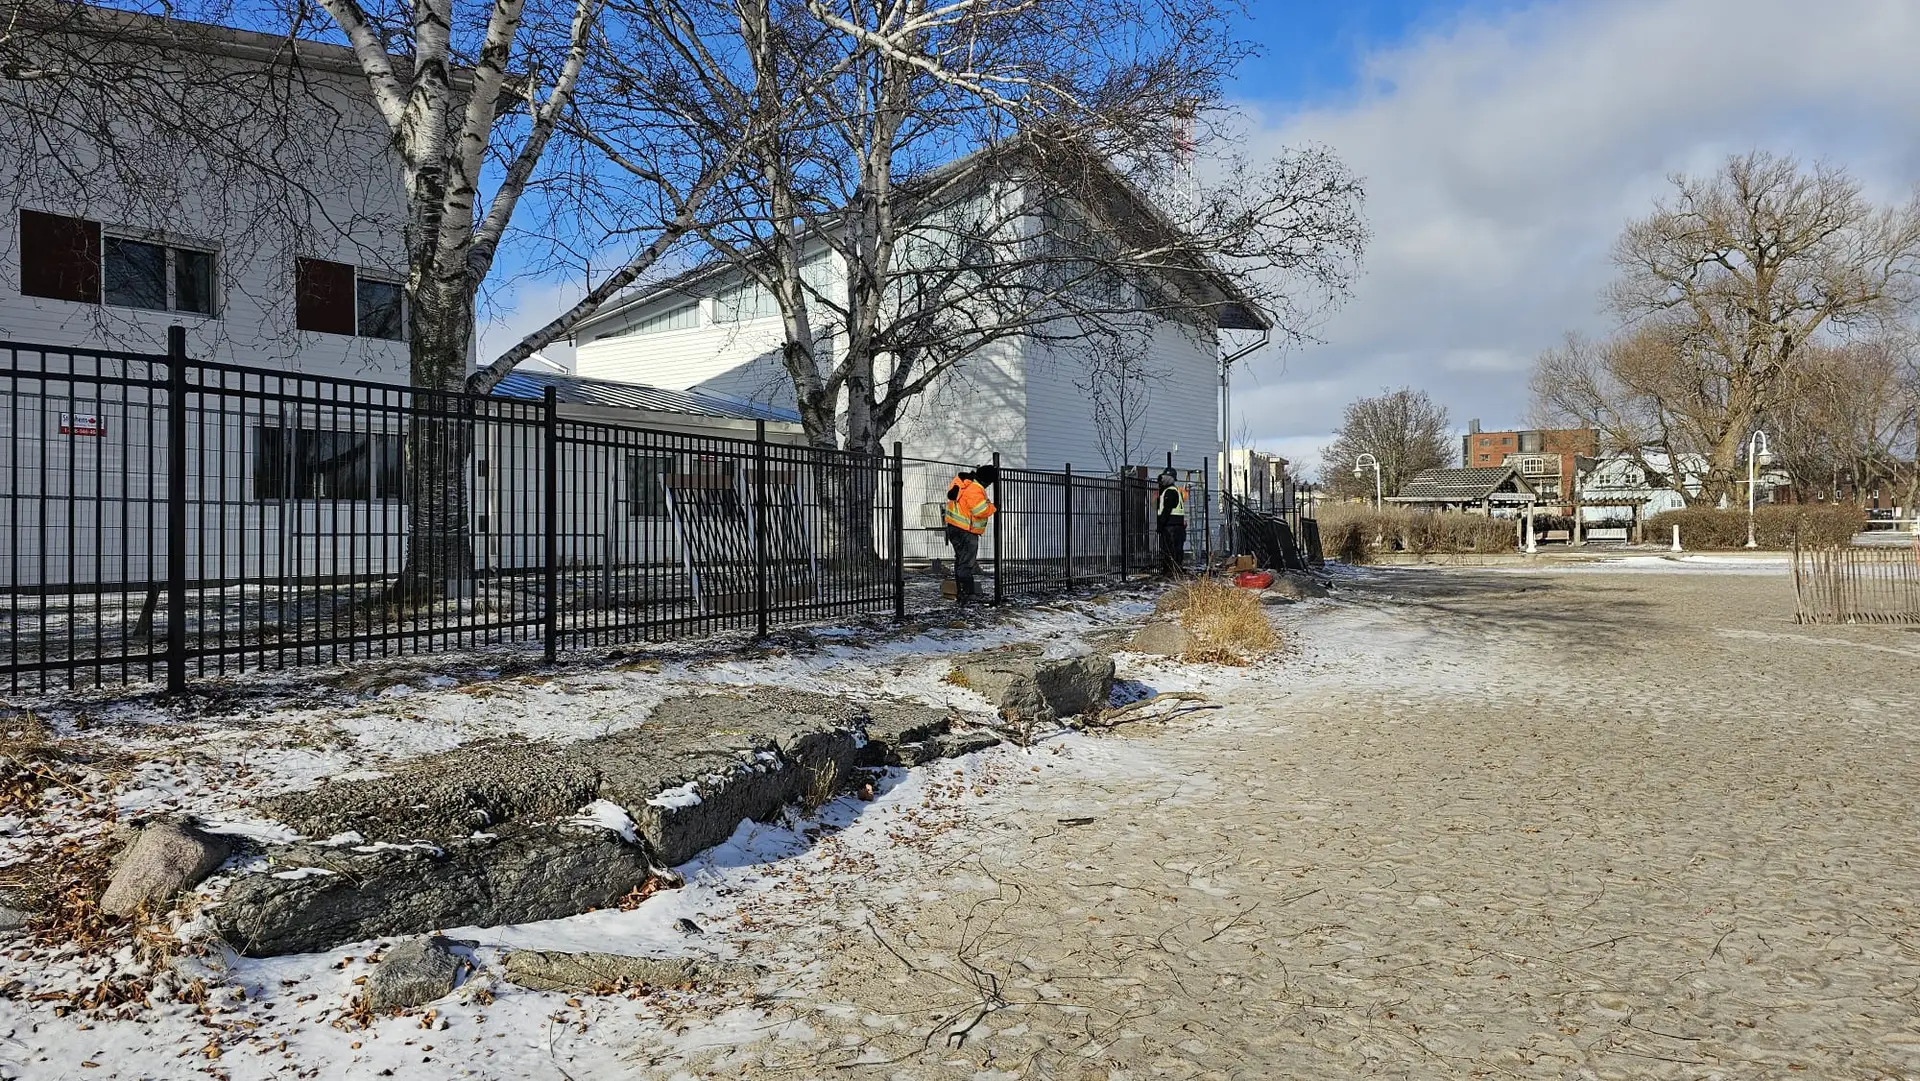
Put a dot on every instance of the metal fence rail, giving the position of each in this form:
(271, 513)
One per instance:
(170, 519)
(1857, 584)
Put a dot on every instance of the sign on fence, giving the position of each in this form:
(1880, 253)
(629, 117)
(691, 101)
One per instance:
(82, 424)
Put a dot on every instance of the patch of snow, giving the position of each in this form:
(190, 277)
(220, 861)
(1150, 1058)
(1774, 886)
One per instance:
(299, 873)
(609, 816)
(686, 795)
(260, 830)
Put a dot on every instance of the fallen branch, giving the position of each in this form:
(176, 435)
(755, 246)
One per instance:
(1136, 711)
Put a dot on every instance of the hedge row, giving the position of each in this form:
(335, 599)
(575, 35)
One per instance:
(1352, 532)
(1816, 525)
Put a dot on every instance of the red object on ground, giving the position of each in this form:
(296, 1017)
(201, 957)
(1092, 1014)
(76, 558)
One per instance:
(1253, 579)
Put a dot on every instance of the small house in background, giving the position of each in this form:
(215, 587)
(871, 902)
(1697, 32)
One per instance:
(1497, 492)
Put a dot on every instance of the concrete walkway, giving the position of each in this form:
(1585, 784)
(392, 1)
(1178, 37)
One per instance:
(1485, 824)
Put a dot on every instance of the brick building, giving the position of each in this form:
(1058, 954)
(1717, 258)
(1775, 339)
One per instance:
(1545, 457)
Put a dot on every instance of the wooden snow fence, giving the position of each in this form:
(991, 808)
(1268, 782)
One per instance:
(1857, 585)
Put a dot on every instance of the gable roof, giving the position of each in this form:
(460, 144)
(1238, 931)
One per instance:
(1121, 207)
(1459, 485)
(580, 390)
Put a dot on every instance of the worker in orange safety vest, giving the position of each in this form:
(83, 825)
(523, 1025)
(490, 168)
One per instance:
(967, 512)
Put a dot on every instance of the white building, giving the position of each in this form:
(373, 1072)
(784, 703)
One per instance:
(251, 196)
(1026, 398)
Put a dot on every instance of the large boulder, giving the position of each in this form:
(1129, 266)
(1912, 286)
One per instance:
(414, 973)
(1162, 639)
(543, 970)
(1024, 684)
(166, 858)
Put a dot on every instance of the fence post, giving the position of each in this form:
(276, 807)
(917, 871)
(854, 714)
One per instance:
(760, 598)
(999, 552)
(1066, 502)
(1206, 516)
(899, 528)
(176, 510)
(1126, 523)
(550, 553)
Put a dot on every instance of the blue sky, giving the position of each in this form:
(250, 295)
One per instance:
(1314, 49)
(1504, 145)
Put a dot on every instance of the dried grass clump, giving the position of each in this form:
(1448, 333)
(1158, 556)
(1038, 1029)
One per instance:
(1227, 623)
(1815, 525)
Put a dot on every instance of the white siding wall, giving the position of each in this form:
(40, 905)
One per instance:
(257, 230)
(1182, 412)
(737, 359)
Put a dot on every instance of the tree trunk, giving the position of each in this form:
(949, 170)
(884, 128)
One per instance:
(439, 560)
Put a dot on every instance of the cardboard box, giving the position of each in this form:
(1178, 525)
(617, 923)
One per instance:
(1244, 563)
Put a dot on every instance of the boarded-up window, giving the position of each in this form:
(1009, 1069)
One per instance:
(323, 296)
(59, 257)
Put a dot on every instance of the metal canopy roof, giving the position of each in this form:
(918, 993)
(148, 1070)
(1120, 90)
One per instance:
(579, 390)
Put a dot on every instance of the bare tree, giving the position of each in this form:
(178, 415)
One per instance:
(1404, 429)
(1731, 284)
(1121, 376)
(1849, 425)
(928, 201)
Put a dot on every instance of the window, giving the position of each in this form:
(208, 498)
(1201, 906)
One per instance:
(334, 298)
(318, 463)
(192, 281)
(59, 257)
(136, 274)
(380, 304)
(748, 301)
(69, 259)
(647, 486)
(684, 317)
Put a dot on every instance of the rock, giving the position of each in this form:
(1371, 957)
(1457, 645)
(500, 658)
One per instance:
(1076, 685)
(1290, 586)
(13, 919)
(414, 973)
(1025, 685)
(542, 970)
(903, 733)
(1162, 639)
(167, 858)
(317, 897)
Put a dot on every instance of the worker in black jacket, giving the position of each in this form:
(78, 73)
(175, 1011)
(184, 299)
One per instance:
(1170, 512)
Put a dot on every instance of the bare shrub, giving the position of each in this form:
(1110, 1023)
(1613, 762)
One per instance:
(1355, 532)
(1776, 526)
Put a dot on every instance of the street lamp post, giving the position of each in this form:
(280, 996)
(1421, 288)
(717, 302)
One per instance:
(1362, 462)
(1756, 448)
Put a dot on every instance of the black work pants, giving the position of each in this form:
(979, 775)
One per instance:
(1173, 547)
(966, 560)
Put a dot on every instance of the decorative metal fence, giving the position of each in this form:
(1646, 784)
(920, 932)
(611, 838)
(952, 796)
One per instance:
(1857, 584)
(170, 519)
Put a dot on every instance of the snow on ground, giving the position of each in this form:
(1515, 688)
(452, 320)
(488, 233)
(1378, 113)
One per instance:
(762, 897)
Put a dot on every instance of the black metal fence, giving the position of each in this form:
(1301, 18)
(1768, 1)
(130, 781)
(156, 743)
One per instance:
(171, 519)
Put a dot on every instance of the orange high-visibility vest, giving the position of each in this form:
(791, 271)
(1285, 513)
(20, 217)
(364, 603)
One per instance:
(969, 508)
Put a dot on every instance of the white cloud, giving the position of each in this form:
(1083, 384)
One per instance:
(1502, 157)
